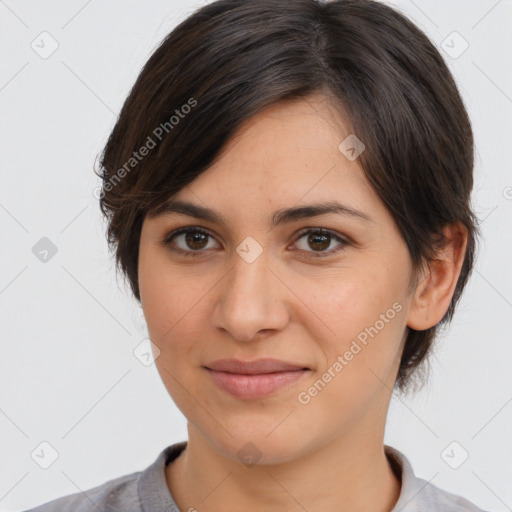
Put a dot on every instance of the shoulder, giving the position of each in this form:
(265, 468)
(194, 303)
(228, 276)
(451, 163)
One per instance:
(439, 499)
(139, 491)
(116, 494)
(418, 495)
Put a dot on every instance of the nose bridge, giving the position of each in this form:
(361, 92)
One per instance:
(249, 275)
(249, 301)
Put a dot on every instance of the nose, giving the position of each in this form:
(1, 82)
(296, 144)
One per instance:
(251, 300)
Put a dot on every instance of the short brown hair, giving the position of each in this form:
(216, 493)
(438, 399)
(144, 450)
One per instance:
(231, 58)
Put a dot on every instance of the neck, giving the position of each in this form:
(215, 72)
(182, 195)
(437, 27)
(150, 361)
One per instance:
(351, 473)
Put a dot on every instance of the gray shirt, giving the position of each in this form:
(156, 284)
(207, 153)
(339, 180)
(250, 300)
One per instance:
(147, 491)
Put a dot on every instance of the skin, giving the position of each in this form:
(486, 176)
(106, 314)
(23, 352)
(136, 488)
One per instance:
(327, 454)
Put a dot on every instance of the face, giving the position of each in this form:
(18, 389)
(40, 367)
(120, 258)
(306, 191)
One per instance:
(328, 292)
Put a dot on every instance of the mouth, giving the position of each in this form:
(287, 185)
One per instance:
(254, 379)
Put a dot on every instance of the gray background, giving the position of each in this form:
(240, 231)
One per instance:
(68, 374)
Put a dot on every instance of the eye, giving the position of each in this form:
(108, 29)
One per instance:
(320, 239)
(194, 241)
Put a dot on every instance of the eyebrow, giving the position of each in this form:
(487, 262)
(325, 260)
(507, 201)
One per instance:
(279, 217)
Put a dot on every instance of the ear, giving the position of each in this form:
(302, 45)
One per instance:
(437, 281)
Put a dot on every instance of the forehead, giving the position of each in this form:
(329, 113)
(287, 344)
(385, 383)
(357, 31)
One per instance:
(287, 150)
(284, 158)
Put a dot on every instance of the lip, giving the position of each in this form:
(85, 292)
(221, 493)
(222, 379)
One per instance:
(254, 379)
(258, 366)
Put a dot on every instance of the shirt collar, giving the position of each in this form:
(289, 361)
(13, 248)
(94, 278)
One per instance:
(155, 494)
(410, 499)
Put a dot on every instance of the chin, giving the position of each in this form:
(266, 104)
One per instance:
(255, 446)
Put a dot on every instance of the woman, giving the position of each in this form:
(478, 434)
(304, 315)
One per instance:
(287, 190)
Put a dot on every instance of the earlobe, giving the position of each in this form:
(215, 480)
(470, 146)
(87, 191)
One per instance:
(438, 279)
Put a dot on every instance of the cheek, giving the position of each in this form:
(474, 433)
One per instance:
(175, 307)
(361, 357)
(353, 301)
(161, 304)
(365, 315)
(174, 315)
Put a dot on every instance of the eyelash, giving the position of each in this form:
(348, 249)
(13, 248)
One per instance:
(200, 253)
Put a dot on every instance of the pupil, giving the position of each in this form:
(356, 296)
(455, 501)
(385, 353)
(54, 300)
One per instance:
(194, 237)
(314, 237)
